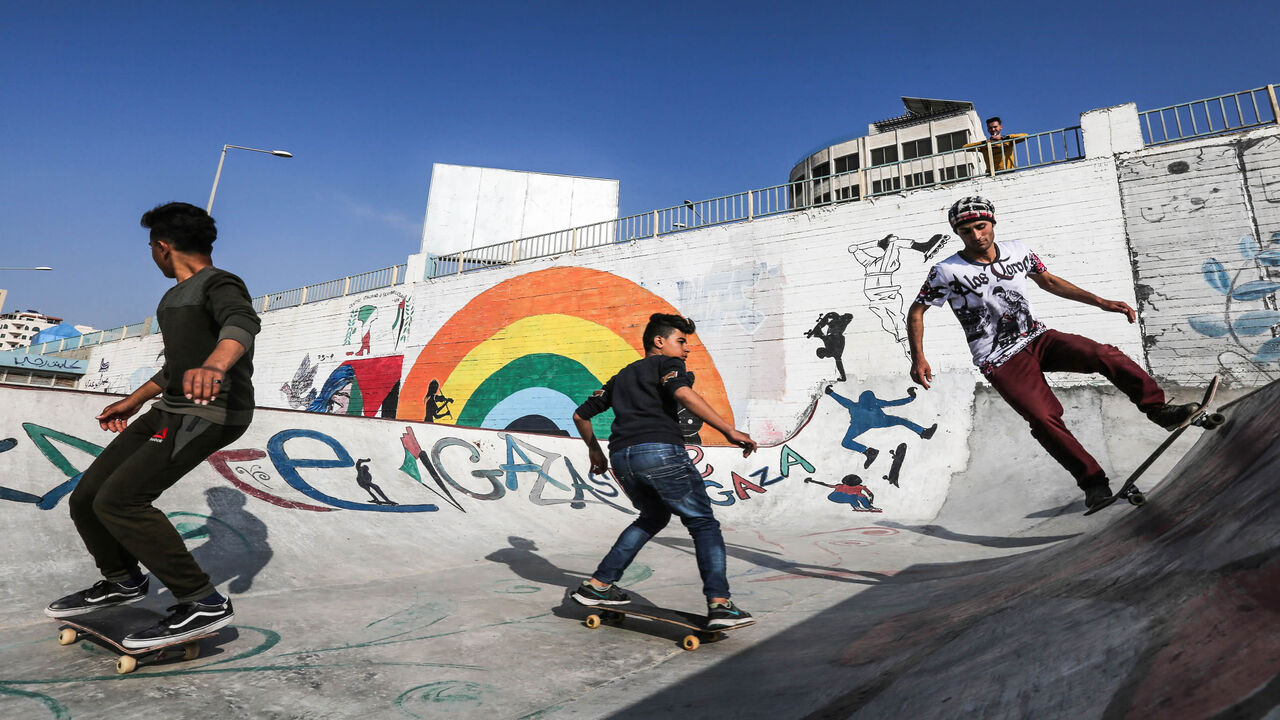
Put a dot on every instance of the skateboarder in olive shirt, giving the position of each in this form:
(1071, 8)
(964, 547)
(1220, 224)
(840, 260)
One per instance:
(647, 451)
(206, 402)
(985, 284)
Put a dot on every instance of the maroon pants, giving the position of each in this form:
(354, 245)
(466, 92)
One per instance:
(1020, 381)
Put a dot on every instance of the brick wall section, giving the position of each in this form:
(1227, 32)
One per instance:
(1185, 206)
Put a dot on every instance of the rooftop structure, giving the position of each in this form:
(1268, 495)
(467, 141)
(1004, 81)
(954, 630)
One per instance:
(17, 328)
(928, 127)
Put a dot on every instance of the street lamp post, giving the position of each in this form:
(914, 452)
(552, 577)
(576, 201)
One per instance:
(217, 176)
(689, 204)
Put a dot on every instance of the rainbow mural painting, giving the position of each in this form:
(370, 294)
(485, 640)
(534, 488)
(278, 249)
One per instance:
(525, 353)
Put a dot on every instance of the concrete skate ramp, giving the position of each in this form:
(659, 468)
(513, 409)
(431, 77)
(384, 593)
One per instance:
(1171, 611)
(434, 586)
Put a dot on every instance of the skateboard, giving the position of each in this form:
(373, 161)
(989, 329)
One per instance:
(898, 456)
(697, 623)
(110, 626)
(1202, 418)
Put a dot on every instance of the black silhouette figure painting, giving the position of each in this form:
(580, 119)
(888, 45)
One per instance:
(364, 479)
(437, 404)
(830, 330)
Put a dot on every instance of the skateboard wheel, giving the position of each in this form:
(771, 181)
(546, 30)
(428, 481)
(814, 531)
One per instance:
(67, 636)
(1137, 498)
(126, 664)
(191, 651)
(593, 621)
(1214, 420)
(690, 642)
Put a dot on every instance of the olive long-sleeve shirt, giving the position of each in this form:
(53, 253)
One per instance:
(194, 316)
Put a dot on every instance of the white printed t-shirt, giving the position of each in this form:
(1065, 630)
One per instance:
(990, 301)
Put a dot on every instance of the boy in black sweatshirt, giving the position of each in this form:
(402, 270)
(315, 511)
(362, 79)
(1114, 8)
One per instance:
(647, 451)
(206, 403)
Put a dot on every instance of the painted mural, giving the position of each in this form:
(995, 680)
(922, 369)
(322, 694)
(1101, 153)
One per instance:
(880, 259)
(366, 380)
(522, 355)
(1251, 328)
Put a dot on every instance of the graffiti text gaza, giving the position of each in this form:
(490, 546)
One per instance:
(522, 458)
(742, 486)
(447, 465)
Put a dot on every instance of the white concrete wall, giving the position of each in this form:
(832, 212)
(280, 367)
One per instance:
(469, 207)
(1203, 219)
(1132, 226)
(754, 288)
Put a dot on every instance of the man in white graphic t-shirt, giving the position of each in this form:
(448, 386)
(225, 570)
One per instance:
(985, 284)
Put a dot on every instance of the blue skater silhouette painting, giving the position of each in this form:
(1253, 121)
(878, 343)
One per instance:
(867, 413)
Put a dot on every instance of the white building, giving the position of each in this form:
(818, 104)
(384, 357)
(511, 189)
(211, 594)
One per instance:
(847, 169)
(472, 209)
(17, 328)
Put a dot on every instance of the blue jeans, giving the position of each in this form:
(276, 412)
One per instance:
(661, 481)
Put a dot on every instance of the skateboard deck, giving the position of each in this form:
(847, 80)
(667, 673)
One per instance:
(898, 455)
(690, 621)
(1202, 417)
(109, 626)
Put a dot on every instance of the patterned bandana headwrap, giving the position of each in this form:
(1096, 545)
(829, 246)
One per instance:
(970, 209)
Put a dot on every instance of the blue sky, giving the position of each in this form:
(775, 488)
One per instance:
(112, 108)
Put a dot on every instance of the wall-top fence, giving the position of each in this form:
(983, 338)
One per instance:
(1211, 116)
(988, 158)
(350, 285)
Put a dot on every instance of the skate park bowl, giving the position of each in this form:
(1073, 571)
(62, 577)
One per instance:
(390, 569)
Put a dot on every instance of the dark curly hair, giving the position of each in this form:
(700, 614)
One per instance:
(661, 325)
(186, 227)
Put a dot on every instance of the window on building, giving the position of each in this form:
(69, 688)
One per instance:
(917, 148)
(886, 185)
(952, 141)
(958, 172)
(847, 163)
(919, 179)
(823, 198)
(821, 170)
(849, 193)
(884, 155)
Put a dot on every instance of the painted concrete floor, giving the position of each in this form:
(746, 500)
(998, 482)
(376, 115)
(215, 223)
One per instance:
(1001, 604)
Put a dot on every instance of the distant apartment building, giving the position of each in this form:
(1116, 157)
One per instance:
(17, 328)
(878, 161)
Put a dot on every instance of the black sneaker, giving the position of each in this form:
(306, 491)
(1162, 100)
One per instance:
(721, 616)
(1170, 417)
(871, 454)
(103, 594)
(186, 620)
(588, 594)
(1096, 495)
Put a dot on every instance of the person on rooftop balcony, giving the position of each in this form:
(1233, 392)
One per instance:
(1002, 154)
(985, 284)
(995, 128)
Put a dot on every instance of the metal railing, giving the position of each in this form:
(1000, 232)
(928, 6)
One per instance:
(329, 289)
(1046, 148)
(1211, 116)
(350, 285)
